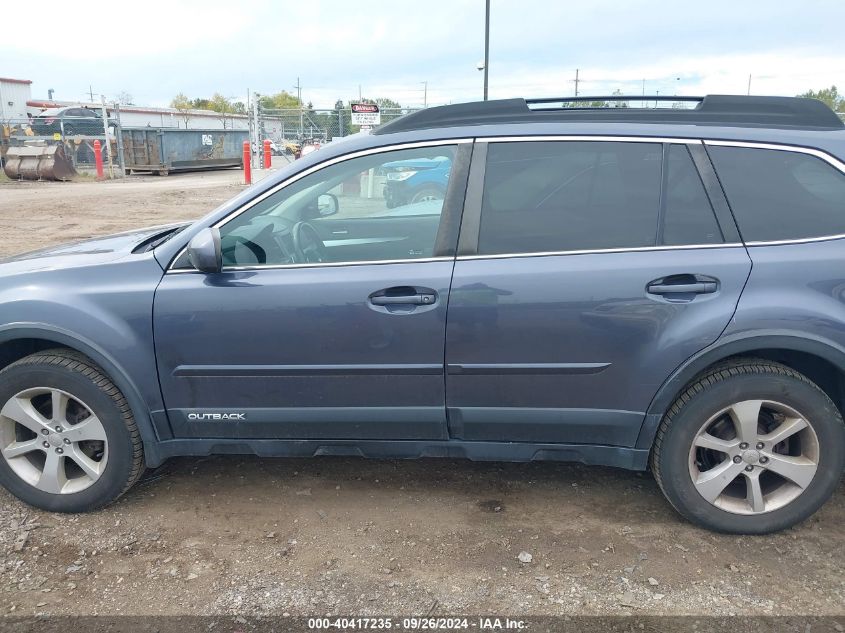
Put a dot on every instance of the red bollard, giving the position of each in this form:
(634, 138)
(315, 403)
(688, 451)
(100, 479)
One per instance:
(268, 158)
(98, 159)
(247, 164)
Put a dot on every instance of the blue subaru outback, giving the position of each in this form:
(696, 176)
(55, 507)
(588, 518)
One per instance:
(656, 289)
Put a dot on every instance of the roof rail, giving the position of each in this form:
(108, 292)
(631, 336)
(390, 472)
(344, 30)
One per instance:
(724, 110)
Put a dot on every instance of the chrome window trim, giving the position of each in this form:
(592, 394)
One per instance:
(583, 137)
(803, 240)
(303, 174)
(797, 149)
(601, 251)
(374, 262)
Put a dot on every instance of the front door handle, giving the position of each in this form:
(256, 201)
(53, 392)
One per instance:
(698, 287)
(402, 298)
(414, 300)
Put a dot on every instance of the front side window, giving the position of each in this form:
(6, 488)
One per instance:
(379, 207)
(779, 194)
(546, 196)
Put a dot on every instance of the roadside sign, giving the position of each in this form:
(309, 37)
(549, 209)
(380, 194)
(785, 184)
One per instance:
(365, 114)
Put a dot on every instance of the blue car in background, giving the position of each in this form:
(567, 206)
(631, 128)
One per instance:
(419, 180)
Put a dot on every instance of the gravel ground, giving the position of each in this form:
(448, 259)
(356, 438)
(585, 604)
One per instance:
(229, 535)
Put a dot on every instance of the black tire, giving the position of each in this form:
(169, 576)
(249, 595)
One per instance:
(79, 376)
(427, 193)
(721, 387)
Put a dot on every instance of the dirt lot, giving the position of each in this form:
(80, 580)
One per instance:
(344, 536)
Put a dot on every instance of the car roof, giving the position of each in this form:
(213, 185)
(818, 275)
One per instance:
(734, 110)
(57, 111)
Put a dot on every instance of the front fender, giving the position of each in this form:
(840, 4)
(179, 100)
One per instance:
(140, 410)
(104, 311)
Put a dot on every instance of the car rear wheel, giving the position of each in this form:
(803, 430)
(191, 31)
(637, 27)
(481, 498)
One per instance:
(750, 447)
(68, 440)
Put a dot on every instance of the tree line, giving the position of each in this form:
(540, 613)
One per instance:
(830, 96)
(283, 100)
(333, 119)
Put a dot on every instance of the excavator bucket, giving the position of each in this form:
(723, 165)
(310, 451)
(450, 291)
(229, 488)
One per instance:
(38, 162)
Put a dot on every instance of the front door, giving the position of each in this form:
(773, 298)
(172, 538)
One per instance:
(596, 268)
(328, 319)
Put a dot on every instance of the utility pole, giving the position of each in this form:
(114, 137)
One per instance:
(577, 70)
(106, 135)
(121, 161)
(749, 86)
(257, 156)
(298, 87)
(91, 93)
(486, 46)
(425, 94)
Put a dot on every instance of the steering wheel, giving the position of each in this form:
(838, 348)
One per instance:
(257, 251)
(307, 243)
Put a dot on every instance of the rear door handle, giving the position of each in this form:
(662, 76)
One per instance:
(414, 300)
(699, 287)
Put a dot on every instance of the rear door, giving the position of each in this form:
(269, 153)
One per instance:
(588, 270)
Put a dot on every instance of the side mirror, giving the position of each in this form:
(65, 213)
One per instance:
(204, 251)
(327, 204)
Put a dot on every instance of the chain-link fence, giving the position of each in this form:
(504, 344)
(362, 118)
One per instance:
(292, 130)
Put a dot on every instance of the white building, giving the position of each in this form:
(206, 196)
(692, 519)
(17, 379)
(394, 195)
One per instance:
(143, 116)
(14, 94)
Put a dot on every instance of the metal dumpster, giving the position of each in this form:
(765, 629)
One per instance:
(38, 161)
(162, 150)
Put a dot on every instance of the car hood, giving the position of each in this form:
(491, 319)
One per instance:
(85, 253)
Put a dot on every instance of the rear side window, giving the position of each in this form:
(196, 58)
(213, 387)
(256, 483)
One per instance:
(688, 216)
(570, 195)
(781, 195)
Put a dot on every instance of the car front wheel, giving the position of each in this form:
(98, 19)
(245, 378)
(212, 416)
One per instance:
(68, 440)
(751, 447)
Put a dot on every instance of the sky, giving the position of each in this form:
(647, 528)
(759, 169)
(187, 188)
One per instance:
(156, 49)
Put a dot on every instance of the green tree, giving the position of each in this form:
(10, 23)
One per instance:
(280, 101)
(183, 105)
(586, 104)
(830, 96)
(125, 98)
(387, 104)
(222, 105)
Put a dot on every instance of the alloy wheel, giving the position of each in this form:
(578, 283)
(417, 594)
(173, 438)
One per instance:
(753, 457)
(52, 440)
